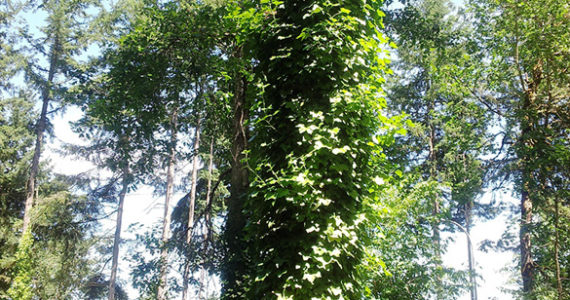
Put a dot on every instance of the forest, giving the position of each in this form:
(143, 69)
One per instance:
(292, 149)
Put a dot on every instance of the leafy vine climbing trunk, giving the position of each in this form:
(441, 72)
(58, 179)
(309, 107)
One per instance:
(313, 152)
(162, 290)
(190, 226)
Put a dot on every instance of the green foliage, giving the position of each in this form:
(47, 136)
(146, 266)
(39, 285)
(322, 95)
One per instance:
(21, 287)
(528, 45)
(316, 153)
(344, 203)
(53, 262)
(16, 140)
(145, 274)
(440, 157)
(401, 233)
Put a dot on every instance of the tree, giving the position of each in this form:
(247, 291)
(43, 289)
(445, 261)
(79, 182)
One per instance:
(16, 140)
(312, 154)
(529, 43)
(51, 258)
(165, 66)
(53, 262)
(64, 38)
(441, 155)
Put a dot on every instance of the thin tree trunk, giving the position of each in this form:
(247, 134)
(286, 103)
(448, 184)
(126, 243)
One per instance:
(40, 130)
(436, 237)
(207, 218)
(433, 173)
(470, 255)
(525, 141)
(234, 261)
(117, 240)
(161, 293)
(186, 276)
(557, 246)
(526, 255)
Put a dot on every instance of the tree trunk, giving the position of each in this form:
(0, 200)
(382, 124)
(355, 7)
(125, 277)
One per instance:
(161, 293)
(433, 173)
(526, 255)
(436, 237)
(117, 240)
(40, 130)
(525, 146)
(234, 261)
(192, 197)
(557, 246)
(470, 255)
(207, 219)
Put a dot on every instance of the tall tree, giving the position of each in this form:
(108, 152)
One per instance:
(529, 43)
(312, 153)
(165, 66)
(234, 266)
(441, 155)
(64, 37)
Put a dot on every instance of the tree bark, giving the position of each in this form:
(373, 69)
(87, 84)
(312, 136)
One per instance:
(557, 246)
(436, 236)
(117, 240)
(207, 219)
(40, 130)
(436, 208)
(526, 254)
(525, 146)
(470, 255)
(190, 228)
(162, 291)
(234, 261)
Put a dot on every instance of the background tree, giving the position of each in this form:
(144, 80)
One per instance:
(52, 260)
(529, 71)
(64, 37)
(166, 65)
(440, 155)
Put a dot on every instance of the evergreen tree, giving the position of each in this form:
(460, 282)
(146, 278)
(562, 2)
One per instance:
(64, 37)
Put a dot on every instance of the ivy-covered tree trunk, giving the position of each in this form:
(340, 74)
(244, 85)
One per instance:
(162, 290)
(313, 148)
(190, 226)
